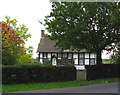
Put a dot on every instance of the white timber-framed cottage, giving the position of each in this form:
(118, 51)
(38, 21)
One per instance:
(47, 52)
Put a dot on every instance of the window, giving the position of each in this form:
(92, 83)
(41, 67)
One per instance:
(64, 55)
(81, 55)
(92, 61)
(75, 55)
(47, 61)
(69, 55)
(45, 55)
(81, 58)
(86, 61)
(86, 55)
(69, 61)
(81, 61)
(92, 55)
(59, 55)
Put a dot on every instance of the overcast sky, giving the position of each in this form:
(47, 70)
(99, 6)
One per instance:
(28, 12)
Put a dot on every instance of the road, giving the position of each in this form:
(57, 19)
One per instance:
(95, 88)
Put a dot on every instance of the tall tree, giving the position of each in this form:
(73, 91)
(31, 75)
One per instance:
(92, 26)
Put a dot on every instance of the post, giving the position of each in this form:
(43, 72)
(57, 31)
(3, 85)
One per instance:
(39, 57)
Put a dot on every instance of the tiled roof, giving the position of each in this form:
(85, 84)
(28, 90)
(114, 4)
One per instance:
(47, 45)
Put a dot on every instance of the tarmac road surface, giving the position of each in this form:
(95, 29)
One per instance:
(112, 87)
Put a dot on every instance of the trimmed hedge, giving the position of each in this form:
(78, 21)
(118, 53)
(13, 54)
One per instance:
(102, 71)
(34, 74)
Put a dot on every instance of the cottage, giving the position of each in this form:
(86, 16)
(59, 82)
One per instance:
(48, 52)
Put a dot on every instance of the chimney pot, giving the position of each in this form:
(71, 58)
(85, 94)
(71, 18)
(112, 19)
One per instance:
(42, 33)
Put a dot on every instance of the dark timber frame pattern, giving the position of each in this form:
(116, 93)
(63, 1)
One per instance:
(82, 58)
(47, 46)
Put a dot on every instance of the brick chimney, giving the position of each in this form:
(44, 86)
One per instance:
(42, 33)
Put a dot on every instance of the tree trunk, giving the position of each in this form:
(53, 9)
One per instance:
(99, 59)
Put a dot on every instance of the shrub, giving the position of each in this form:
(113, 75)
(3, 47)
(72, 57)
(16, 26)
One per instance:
(47, 63)
(34, 73)
(8, 59)
(102, 71)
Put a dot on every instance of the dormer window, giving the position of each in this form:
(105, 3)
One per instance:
(66, 50)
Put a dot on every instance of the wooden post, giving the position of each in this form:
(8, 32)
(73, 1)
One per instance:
(39, 57)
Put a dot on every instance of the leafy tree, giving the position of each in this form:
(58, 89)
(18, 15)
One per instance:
(25, 57)
(10, 44)
(116, 55)
(13, 41)
(91, 26)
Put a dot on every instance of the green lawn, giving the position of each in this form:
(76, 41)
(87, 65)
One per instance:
(106, 61)
(50, 85)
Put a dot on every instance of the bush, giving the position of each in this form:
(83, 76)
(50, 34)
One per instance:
(8, 59)
(34, 74)
(102, 71)
(47, 63)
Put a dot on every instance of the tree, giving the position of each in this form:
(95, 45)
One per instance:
(116, 55)
(13, 41)
(24, 56)
(91, 26)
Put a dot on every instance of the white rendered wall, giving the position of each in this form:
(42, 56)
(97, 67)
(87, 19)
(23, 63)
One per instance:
(41, 55)
(41, 61)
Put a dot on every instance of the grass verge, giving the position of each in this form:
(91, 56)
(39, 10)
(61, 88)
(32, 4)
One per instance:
(51, 85)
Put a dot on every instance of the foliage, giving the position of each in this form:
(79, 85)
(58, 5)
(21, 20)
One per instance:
(25, 57)
(35, 62)
(20, 30)
(36, 73)
(13, 41)
(47, 63)
(9, 39)
(102, 71)
(116, 57)
(91, 26)
(107, 61)
(69, 63)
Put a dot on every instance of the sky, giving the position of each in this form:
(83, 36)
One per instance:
(28, 12)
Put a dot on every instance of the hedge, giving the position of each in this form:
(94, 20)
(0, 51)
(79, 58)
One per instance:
(102, 71)
(34, 74)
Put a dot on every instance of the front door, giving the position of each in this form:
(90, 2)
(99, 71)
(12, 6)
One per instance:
(54, 61)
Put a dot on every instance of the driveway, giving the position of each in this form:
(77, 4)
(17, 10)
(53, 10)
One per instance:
(95, 88)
